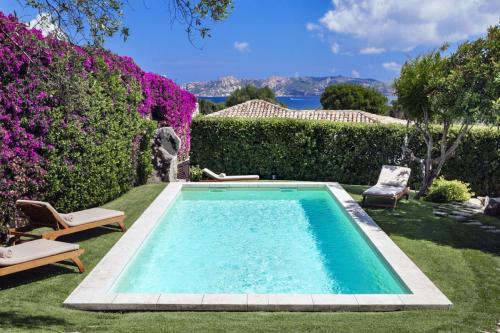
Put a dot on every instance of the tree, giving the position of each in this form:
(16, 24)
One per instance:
(207, 107)
(455, 92)
(94, 20)
(348, 96)
(252, 92)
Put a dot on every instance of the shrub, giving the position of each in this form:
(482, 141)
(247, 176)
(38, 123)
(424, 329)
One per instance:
(443, 190)
(250, 92)
(326, 151)
(348, 96)
(195, 173)
(207, 107)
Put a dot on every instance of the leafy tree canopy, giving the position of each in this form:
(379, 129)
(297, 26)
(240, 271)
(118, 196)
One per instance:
(353, 97)
(252, 92)
(92, 21)
(460, 89)
(207, 107)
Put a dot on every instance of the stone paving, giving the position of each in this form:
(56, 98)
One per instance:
(464, 212)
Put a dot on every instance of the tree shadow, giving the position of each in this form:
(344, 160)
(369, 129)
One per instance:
(414, 219)
(32, 322)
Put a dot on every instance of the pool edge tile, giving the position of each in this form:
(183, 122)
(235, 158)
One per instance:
(224, 302)
(334, 302)
(290, 302)
(180, 302)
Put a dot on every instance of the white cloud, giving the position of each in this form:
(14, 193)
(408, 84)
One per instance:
(335, 48)
(312, 26)
(406, 24)
(392, 66)
(372, 50)
(242, 46)
(43, 22)
(355, 73)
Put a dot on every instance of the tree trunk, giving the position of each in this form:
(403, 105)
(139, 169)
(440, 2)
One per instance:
(426, 183)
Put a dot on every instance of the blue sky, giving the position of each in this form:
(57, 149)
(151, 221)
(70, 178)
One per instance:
(261, 38)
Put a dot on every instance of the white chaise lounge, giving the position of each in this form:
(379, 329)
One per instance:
(223, 178)
(392, 184)
(37, 253)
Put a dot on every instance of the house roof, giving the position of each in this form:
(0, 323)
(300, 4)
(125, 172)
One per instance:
(257, 108)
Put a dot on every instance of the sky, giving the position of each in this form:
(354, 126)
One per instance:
(262, 38)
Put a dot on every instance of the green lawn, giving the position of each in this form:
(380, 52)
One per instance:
(463, 261)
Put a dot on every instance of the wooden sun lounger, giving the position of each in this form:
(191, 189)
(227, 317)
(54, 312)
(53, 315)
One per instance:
(223, 178)
(38, 253)
(392, 185)
(42, 214)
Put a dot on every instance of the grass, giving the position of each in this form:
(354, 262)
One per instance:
(463, 261)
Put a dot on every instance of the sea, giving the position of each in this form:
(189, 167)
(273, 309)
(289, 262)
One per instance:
(294, 103)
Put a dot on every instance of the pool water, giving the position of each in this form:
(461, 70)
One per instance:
(272, 240)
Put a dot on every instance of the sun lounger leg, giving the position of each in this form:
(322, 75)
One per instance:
(122, 226)
(363, 202)
(79, 264)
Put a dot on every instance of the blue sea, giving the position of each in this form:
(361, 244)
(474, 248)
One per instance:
(294, 103)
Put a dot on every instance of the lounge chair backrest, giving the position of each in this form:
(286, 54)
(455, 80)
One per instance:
(40, 213)
(211, 173)
(391, 175)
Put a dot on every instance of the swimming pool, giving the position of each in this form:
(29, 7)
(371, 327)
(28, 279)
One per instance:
(255, 246)
(262, 240)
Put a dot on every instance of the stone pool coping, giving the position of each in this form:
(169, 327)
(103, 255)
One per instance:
(94, 292)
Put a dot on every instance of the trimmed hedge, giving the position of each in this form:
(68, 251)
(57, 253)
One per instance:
(325, 151)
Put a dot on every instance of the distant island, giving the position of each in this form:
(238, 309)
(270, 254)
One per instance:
(283, 86)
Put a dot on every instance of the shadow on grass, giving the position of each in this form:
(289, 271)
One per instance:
(81, 236)
(36, 274)
(29, 321)
(414, 219)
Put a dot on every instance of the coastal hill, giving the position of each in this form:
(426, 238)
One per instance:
(282, 86)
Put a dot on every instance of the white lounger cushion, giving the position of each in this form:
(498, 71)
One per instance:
(223, 176)
(89, 216)
(384, 190)
(37, 249)
(391, 175)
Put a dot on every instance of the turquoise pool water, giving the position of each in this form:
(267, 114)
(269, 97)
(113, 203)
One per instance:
(269, 240)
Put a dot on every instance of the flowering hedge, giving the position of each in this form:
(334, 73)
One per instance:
(75, 122)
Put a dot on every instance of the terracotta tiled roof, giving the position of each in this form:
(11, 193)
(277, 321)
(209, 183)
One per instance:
(257, 108)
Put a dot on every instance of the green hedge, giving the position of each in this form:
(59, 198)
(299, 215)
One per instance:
(101, 145)
(325, 151)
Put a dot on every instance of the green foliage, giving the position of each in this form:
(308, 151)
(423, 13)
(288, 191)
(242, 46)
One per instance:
(443, 190)
(326, 151)
(93, 21)
(251, 92)
(207, 107)
(461, 88)
(195, 173)
(350, 96)
(101, 145)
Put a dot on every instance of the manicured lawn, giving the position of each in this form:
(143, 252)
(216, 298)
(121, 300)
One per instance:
(463, 261)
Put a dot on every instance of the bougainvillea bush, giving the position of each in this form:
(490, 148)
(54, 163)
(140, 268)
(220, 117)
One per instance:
(76, 123)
